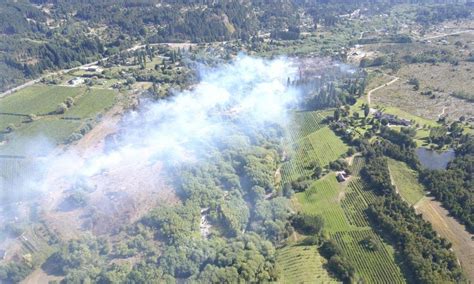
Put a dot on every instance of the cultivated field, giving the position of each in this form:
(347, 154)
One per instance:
(323, 198)
(48, 127)
(311, 143)
(342, 207)
(372, 266)
(302, 264)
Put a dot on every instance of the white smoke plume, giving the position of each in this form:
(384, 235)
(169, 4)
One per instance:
(250, 88)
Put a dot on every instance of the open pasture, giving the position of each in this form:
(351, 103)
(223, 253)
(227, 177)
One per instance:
(406, 181)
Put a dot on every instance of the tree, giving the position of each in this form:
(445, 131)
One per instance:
(337, 114)
(341, 267)
(329, 249)
(61, 108)
(366, 110)
(69, 102)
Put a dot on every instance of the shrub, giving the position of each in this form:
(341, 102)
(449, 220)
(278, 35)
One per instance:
(341, 267)
(61, 108)
(69, 102)
(32, 117)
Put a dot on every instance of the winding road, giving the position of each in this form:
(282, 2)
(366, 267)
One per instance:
(369, 93)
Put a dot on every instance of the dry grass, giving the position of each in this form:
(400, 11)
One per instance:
(442, 79)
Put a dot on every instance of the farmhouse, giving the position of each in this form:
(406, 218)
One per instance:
(392, 119)
(342, 176)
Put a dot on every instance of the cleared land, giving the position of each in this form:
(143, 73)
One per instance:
(406, 181)
(441, 79)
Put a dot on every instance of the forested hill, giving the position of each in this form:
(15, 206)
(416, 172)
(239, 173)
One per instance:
(39, 35)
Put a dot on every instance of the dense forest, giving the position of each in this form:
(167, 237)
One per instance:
(54, 34)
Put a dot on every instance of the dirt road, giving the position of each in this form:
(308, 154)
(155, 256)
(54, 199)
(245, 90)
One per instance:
(443, 35)
(369, 93)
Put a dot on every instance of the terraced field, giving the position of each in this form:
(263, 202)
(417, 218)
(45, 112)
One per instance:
(302, 264)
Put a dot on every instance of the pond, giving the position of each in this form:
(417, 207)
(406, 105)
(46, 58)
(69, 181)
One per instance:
(434, 160)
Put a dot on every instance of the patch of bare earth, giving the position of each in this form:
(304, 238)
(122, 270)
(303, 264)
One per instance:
(39, 276)
(119, 197)
(451, 229)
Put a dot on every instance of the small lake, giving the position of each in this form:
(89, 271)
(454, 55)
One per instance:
(434, 160)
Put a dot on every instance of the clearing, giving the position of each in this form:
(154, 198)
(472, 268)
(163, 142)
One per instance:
(406, 181)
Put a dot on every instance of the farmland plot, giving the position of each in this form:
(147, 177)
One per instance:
(302, 264)
(372, 266)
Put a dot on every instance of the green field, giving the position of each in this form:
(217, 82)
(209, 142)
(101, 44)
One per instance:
(91, 103)
(319, 145)
(406, 181)
(357, 165)
(302, 264)
(304, 123)
(42, 101)
(38, 100)
(371, 266)
(323, 198)
(343, 210)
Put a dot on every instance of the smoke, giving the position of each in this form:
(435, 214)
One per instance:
(247, 89)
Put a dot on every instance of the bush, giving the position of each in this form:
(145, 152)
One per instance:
(61, 108)
(10, 128)
(342, 268)
(329, 249)
(370, 243)
(308, 224)
(69, 102)
(32, 117)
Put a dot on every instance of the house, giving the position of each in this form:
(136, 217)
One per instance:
(392, 119)
(342, 176)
